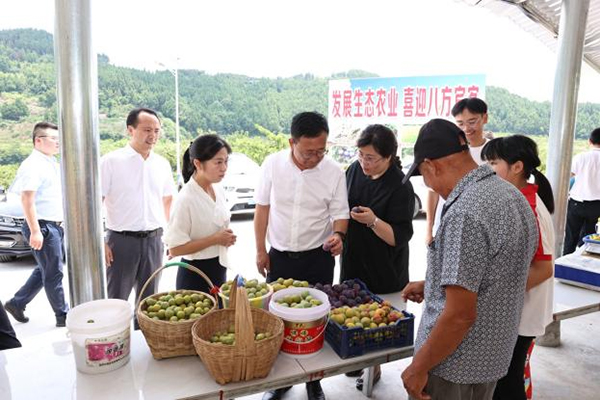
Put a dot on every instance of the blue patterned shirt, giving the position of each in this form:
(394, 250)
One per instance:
(485, 244)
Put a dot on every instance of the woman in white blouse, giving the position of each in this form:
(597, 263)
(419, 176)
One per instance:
(198, 228)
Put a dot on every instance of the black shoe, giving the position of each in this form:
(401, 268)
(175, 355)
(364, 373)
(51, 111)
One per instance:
(61, 321)
(17, 313)
(276, 394)
(314, 391)
(354, 374)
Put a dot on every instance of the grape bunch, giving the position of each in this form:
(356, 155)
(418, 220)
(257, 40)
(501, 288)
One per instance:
(348, 293)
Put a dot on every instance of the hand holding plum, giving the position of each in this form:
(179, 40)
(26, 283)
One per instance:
(362, 214)
(333, 244)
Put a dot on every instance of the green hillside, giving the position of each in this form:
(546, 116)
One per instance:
(236, 106)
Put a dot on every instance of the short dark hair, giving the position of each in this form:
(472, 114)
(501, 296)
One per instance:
(309, 124)
(473, 104)
(40, 128)
(381, 138)
(203, 148)
(595, 136)
(132, 118)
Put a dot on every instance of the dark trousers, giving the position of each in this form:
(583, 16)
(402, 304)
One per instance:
(512, 386)
(48, 273)
(8, 338)
(190, 280)
(314, 265)
(134, 260)
(582, 217)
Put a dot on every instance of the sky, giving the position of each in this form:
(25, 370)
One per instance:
(275, 38)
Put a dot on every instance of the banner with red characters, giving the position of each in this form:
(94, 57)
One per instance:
(356, 103)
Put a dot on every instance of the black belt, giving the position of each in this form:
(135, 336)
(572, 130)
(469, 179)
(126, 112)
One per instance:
(585, 201)
(299, 254)
(141, 234)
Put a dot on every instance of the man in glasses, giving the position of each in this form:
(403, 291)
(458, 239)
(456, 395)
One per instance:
(38, 182)
(470, 115)
(302, 200)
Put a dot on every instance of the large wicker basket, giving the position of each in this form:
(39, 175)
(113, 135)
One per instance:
(168, 339)
(246, 359)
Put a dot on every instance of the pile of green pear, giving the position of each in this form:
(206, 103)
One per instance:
(282, 283)
(228, 338)
(254, 288)
(299, 300)
(177, 306)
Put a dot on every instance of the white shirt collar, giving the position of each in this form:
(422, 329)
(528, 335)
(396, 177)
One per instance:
(38, 153)
(132, 152)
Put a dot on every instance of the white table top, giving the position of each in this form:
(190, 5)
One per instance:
(47, 368)
(568, 297)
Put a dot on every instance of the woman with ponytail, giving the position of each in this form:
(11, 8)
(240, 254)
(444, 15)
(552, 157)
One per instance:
(380, 227)
(515, 158)
(198, 228)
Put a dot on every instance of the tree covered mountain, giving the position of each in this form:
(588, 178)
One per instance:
(223, 103)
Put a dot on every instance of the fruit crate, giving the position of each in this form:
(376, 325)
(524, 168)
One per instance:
(353, 342)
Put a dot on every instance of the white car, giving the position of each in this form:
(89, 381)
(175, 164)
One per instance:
(240, 182)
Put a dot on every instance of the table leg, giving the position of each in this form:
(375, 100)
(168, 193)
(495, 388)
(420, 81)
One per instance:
(550, 338)
(368, 375)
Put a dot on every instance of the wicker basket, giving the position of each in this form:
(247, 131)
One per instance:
(246, 359)
(168, 339)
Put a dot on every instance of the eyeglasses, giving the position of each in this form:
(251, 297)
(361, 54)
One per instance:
(307, 155)
(370, 160)
(53, 138)
(470, 123)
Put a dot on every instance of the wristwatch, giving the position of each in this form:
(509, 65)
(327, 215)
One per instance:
(373, 225)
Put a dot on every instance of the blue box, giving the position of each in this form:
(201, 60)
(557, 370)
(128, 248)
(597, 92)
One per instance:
(352, 342)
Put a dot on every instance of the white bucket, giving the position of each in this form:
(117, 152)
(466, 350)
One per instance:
(304, 328)
(100, 333)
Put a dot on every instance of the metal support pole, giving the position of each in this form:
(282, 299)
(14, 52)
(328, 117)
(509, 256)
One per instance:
(571, 36)
(77, 81)
(177, 142)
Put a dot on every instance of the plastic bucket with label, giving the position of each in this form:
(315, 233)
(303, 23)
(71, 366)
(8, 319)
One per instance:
(304, 328)
(100, 333)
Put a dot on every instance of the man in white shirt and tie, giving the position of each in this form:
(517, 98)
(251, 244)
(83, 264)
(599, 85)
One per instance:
(302, 209)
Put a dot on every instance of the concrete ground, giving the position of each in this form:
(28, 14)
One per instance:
(571, 371)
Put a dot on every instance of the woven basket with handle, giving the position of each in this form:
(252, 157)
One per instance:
(246, 359)
(168, 339)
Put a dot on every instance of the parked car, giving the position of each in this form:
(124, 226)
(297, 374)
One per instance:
(240, 183)
(420, 193)
(12, 242)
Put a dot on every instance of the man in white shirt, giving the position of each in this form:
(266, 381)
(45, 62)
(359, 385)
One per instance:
(302, 209)
(137, 190)
(39, 184)
(470, 115)
(584, 198)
